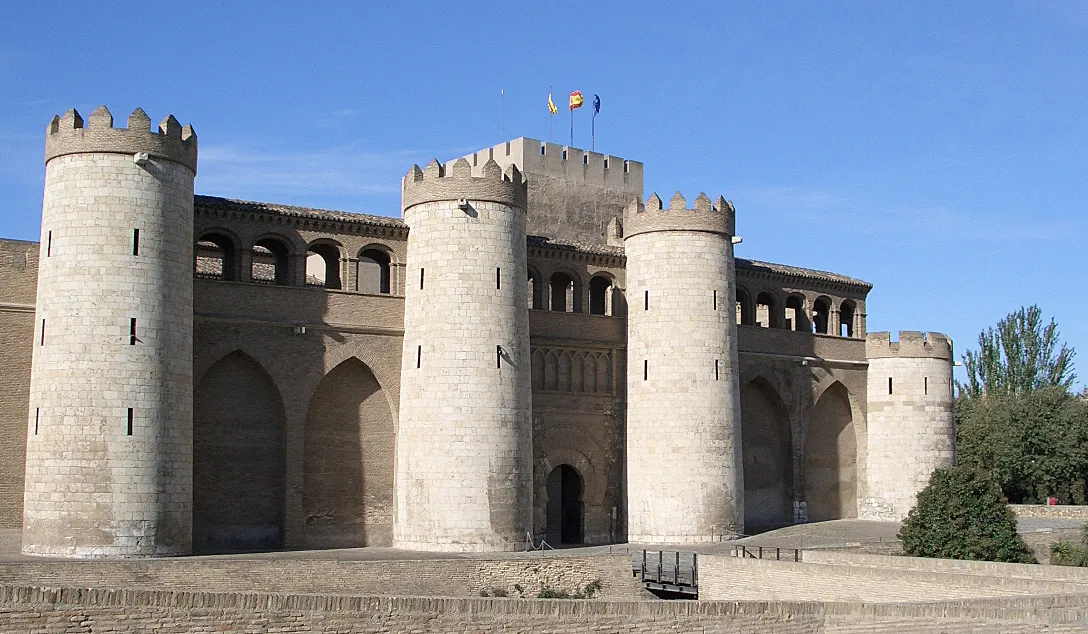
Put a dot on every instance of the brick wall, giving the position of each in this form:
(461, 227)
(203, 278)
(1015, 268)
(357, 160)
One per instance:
(1065, 512)
(431, 577)
(26, 609)
(18, 281)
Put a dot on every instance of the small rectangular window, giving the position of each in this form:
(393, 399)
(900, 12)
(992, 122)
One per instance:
(646, 300)
(542, 149)
(132, 332)
(925, 385)
(49, 244)
(498, 277)
(564, 155)
(715, 300)
(135, 242)
(43, 334)
(130, 421)
(606, 163)
(37, 414)
(585, 159)
(645, 369)
(889, 385)
(716, 369)
(420, 279)
(498, 357)
(419, 355)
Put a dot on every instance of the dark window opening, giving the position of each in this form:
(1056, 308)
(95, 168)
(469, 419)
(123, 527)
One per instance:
(215, 257)
(889, 385)
(37, 414)
(49, 244)
(600, 300)
(767, 312)
(135, 242)
(271, 262)
(420, 279)
(323, 265)
(925, 385)
(715, 369)
(846, 319)
(372, 272)
(498, 357)
(715, 300)
(498, 278)
(419, 356)
(795, 314)
(646, 300)
(565, 293)
(132, 332)
(42, 343)
(535, 292)
(645, 369)
(821, 316)
(745, 316)
(129, 421)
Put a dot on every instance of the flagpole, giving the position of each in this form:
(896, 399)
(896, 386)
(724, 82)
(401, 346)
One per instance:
(550, 115)
(502, 115)
(593, 133)
(572, 127)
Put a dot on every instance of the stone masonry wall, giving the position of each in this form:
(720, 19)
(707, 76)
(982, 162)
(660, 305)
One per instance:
(911, 429)
(18, 281)
(464, 444)
(109, 465)
(683, 415)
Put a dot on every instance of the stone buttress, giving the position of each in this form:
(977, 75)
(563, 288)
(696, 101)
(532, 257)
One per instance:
(684, 478)
(910, 424)
(109, 438)
(464, 441)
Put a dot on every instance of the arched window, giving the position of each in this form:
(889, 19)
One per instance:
(564, 293)
(745, 316)
(821, 315)
(795, 314)
(323, 265)
(270, 262)
(846, 318)
(215, 257)
(600, 296)
(767, 313)
(535, 291)
(372, 272)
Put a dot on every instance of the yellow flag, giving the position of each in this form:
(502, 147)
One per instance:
(551, 105)
(576, 99)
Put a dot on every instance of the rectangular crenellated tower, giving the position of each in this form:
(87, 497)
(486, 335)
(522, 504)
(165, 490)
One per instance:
(574, 195)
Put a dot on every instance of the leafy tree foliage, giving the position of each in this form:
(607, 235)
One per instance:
(961, 514)
(1065, 553)
(1019, 356)
(1034, 444)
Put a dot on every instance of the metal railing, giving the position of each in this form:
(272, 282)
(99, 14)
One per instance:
(762, 552)
(674, 568)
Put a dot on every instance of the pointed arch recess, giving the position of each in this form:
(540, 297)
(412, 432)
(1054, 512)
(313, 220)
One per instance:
(349, 445)
(767, 449)
(831, 456)
(238, 458)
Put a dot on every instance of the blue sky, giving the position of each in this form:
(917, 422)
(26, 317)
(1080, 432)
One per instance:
(935, 150)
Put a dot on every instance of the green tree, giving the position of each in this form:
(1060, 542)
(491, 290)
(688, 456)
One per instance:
(961, 514)
(1020, 355)
(1034, 444)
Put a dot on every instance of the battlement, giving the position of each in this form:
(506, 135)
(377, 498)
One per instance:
(714, 217)
(437, 182)
(911, 344)
(567, 163)
(173, 142)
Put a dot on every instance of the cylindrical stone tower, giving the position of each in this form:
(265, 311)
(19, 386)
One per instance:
(464, 441)
(683, 407)
(910, 426)
(109, 442)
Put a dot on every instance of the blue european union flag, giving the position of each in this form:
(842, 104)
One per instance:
(596, 104)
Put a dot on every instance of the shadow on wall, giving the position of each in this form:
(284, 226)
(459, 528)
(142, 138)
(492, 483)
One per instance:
(285, 455)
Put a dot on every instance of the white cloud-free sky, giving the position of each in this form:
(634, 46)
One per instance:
(937, 150)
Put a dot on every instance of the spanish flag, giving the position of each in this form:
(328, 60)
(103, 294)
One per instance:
(551, 105)
(576, 99)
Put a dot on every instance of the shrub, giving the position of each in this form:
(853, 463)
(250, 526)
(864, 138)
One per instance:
(1064, 553)
(962, 514)
(588, 592)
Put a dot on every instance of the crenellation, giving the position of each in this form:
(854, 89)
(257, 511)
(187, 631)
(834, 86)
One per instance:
(67, 135)
(912, 343)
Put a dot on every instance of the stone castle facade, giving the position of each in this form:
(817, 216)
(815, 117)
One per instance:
(535, 351)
